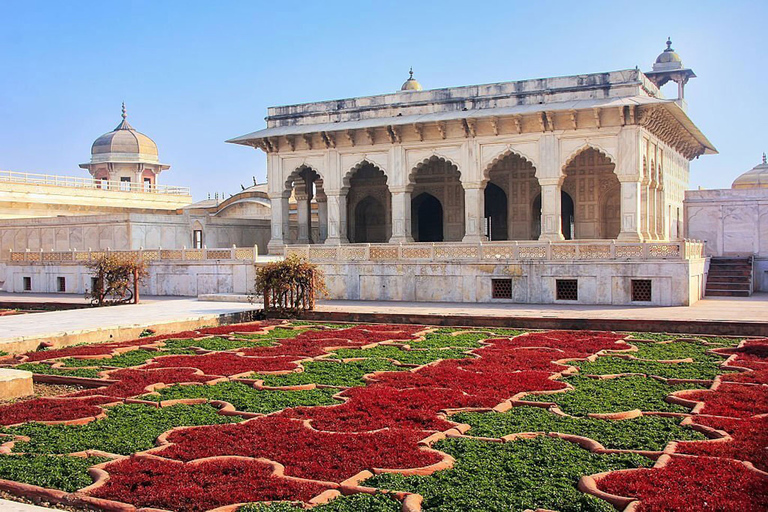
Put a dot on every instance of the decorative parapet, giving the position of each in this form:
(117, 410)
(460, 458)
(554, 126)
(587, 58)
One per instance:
(503, 252)
(234, 253)
(53, 180)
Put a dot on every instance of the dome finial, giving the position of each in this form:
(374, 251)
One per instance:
(410, 73)
(124, 112)
(669, 44)
(764, 161)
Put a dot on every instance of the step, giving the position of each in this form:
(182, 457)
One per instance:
(730, 272)
(726, 293)
(725, 283)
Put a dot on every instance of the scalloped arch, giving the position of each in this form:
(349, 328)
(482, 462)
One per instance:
(432, 158)
(504, 154)
(352, 170)
(584, 147)
(295, 173)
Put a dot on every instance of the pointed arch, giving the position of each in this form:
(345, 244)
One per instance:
(590, 180)
(585, 147)
(434, 158)
(369, 203)
(440, 178)
(510, 151)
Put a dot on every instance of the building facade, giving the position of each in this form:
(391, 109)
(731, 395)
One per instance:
(567, 162)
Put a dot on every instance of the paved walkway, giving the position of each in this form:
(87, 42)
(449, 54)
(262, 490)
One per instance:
(15, 506)
(713, 309)
(115, 322)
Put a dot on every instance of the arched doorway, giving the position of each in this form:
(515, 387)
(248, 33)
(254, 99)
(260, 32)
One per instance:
(516, 177)
(426, 218)
(567, 213)
(440, 180)
(368, 205)
(370, 222)
(496, 211)
(590, 181)
(305, 186)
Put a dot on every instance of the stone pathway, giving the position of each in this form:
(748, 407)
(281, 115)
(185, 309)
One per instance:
(166, 314)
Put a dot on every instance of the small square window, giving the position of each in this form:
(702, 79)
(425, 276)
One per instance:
(501, 288)
(61, 284)
(641, 290)
(567, 289)
(27, 283)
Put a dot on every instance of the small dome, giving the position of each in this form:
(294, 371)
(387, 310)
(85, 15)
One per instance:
(755, 178)
(668, 59)
(125, 142)
(411, 84)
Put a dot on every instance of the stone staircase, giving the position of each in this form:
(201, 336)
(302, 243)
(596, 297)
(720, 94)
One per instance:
(729, 277)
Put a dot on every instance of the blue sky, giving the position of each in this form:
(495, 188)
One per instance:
(196, 73)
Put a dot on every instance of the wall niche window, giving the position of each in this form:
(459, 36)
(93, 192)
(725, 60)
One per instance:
(197, 239)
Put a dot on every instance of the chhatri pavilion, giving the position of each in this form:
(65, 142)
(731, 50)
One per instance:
(557, 189)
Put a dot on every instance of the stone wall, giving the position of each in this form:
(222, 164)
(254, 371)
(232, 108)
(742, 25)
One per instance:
(673, 283)
(129, 231)
(183, 278)
(731, 222)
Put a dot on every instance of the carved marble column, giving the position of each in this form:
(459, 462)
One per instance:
(474, 212)
(631, 214)
(401, 216)
(304, 217)
(336, 206)
(280, 226)
(645, 232)
(653, 197)
(322, 216)
(551, 221)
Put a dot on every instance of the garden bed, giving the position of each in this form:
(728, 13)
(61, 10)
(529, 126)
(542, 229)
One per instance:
(280, 416)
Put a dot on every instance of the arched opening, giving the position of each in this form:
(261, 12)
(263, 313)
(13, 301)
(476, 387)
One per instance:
(566, 216)
(427, 218)
(306, 187)
(370, 222)
(590, 182)
(368, 205)
(440, 180)
(516, 177)
(496, 212)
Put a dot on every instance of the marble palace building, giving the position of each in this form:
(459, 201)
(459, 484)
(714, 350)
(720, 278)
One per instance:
(568, 188)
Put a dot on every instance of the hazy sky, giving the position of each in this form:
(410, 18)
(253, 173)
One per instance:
(195, 73)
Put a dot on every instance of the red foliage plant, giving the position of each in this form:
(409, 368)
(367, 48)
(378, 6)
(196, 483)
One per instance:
(51, 409)
(572, 343)
(199, 486)
(692, 484)
(733, 400)
(378, 406)
(304, 452)
(133, 382)
(225, 363)
(750, 440)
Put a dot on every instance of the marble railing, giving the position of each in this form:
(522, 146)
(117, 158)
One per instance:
(593, 250)
(54, 180)
(205, 254)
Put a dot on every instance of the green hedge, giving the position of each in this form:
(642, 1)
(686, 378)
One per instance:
(353, 503)
(442, 338)
(643, 433)
(676, 350)
(46, 369)
(613, 365)
(216, 343)
(421, 356)
(247, 399)
(125, 360)
(499, 477)
(127, 429)
(330, 373)
(614, 395)
(50, 471)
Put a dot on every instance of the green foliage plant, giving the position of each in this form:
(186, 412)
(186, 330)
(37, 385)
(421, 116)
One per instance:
(330, 373)
(420, 356)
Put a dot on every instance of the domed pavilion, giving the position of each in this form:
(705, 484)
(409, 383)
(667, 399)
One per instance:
(125, 158)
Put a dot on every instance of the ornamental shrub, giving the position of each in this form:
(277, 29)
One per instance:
(117, 279)
(289, 286)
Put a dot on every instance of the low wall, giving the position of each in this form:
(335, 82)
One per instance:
(166, 278)
(673, 283)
